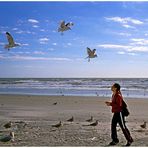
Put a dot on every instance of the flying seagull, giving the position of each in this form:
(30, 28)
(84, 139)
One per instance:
(7, 138)
(64, 27)
(91, 53)
(71, 119)
(90, 120)
(57, 125)
(11, 42)
(143, 125)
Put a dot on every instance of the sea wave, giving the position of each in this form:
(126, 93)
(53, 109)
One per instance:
(88, 86)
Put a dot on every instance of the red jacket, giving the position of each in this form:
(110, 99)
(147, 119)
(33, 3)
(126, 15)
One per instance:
(116, 102)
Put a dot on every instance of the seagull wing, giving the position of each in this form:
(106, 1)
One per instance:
(62, 24)
(89, 51)
(68, 24)
(94, 50)
(10, 38)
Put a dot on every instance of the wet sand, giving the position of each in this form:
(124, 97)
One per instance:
(33, 116)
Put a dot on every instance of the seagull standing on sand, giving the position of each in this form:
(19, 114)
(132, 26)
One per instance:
(71, 119)
(64, 27)
(7, 138)
(8, 125)
(90, 120)
(10, 41)
(143, 125)
(57, 125)
(94, 123)
(55, 103)
(91, 53)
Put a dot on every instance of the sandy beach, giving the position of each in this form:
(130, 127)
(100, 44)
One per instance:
(33, 116)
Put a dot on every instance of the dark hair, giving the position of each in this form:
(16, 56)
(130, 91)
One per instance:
(116, 85)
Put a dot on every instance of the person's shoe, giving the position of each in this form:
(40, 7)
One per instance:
(113, 143)
(129, 142)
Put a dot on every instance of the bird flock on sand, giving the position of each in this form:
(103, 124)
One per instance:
(95, 123)
(62, 28)
(20, 125)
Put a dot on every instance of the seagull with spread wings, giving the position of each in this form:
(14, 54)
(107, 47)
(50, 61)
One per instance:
(91, 53)
(11, 42)
(64, 27)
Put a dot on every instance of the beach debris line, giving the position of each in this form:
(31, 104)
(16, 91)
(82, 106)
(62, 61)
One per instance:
(64, 27)
(8, 125)
(93, 138)
(91, 53)
(11, 42)
(71, 119)
(7, 138)
(143, 125)
(57, 125)
(90, 120)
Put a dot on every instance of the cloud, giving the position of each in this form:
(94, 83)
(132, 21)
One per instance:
(39, 52)
(1, 43)
(35, 26)
(121, 52)
(139, 41)
(125, 20)
(128, 48)
(51, 49)
(43, 30)
(24, 32)
(33, 21)
(127, 26)
(20, 52)
(25, 44)
(114, 46)
(69, 44)
(139, 48)
(54, 44)
(14, 29)
(43, 40)
(18, 57)
(129, 53)
(124, 34)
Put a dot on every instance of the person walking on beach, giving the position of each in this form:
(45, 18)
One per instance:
(118, 116)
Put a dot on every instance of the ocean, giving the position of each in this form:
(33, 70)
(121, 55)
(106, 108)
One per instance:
(130, 87)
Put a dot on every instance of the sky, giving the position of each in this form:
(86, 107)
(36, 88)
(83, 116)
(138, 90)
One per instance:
(117, 30)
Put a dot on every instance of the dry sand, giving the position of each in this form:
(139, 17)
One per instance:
(40, 114)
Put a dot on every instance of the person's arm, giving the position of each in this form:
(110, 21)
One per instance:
(108, 103)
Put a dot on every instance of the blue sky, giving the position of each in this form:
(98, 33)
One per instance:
(118, 30)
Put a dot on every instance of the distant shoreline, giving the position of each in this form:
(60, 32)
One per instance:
(67, 96)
